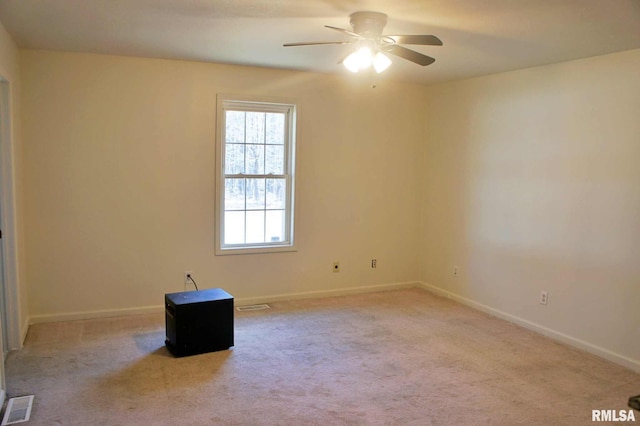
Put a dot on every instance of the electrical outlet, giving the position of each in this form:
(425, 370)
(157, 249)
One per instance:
(455, 271)
(544, 297)
(336, 266)
(374, 263)
(187, 280)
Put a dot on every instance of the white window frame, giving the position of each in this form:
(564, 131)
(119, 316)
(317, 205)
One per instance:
(258, 104)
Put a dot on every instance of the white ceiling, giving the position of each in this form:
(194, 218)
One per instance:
(480, 36)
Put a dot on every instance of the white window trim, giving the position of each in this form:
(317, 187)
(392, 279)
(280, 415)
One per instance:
(266, 104)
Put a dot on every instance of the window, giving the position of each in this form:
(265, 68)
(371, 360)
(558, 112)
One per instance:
(255, 160)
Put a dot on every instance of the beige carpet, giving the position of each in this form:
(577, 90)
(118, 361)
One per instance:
(402, 357)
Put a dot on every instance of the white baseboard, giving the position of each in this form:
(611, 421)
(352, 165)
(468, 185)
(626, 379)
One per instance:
(105, 313)
(556, 335)
(323, 293)
(627, 362)
(109, 313)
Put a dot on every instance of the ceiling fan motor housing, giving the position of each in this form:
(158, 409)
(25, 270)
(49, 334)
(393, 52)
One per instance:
(368, 24)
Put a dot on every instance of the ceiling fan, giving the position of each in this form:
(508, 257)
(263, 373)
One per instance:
(372, 45)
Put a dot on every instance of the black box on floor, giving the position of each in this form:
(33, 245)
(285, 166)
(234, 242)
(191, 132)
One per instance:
(634, 402)
(198, 321)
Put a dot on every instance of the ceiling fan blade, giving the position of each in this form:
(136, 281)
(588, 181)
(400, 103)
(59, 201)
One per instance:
(427, 40)
(410, 55)
(342, 30)
(312, 43)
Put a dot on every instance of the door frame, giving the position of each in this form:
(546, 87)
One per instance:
(9, 259)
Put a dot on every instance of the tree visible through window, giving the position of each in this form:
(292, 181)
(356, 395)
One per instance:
(255, 147)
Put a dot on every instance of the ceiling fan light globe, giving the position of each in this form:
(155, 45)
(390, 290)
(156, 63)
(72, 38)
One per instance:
(352, 62)
(381, 62)
(359, 60)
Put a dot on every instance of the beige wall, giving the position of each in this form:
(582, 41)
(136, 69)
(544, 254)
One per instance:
(529, 182)
(532, 183)
(10, 72)
(119, 170)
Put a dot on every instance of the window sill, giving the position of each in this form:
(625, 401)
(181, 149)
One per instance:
(254, 250)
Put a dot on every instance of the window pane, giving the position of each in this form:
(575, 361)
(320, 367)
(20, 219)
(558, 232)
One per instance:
(276, 198)
(255, 227)
(274, 161)
(234, 159)
(254, 159)
(234, 227)
(275, 226)
(275, 128)
(255, 194)
(255, 127)
(234, 194)
(234, 129)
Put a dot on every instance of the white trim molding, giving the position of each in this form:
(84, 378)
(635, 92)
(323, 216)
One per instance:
(324, 293)
(632, 364)
(155, 309)
(103, 313)
(8, 221)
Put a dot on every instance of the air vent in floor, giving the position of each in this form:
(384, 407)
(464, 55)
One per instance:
(18, 410)
(249, 308)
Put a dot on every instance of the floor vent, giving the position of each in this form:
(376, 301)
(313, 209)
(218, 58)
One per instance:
(18, 410)
(249, 308)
